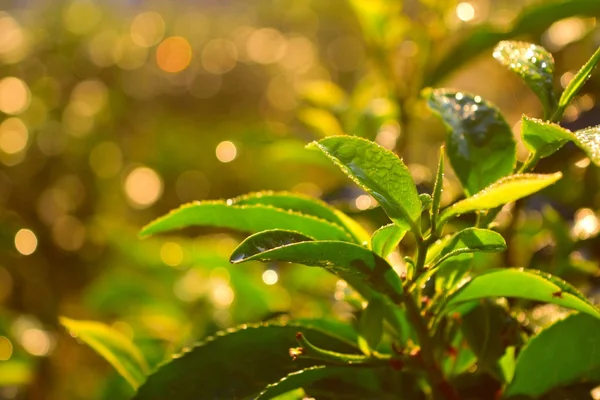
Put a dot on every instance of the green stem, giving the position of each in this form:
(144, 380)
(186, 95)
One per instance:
(309, 350)
(530, 164)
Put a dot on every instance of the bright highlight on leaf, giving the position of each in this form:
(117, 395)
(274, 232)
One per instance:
(471, 240)
(524, 284)
(576, 84)
(379, 172)
(534, 64)
(479, 142)
(504, 191)
(113, 346)
(250, 218)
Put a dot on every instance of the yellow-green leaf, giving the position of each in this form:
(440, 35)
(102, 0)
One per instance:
(113, 346)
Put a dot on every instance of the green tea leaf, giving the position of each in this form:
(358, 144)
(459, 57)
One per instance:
(525, 284)
(489, 329)
(534, 64)
(543, 138)
(576, 84)
(479, 143)
(299, 379)
(250, 218)
(237, 363)
(438, 188)
(113, 346)
(504, 191)
(370, 326)
(347, 260)
(305, 205)
(561, 354)
(386, 239)
(379, 172)
(589, 141)
(471, 240)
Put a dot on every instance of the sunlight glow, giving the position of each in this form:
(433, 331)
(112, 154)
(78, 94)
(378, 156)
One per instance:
(26, 242)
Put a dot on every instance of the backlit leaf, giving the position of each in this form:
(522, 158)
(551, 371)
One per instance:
(534, 64)
(524, 284)
(379, 172)
(543, 138)
(386, 239)
(249, 218)
(113, 346)
(504, 191)
(472, 240)
(479, 143)
(305, 205)
(576, 84)
(561, 354)
(347, 260)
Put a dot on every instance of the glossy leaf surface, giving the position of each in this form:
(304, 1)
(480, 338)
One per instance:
(438, 187)
(250, 218)
(347, 260)
(504, 191)
(472, 240)
(386, 239)
(561, 354)
(299, 379)
(379, 172)
(577, 83)
(305, 205)
(525, 284)
(479, 144)
(589, 141)
(113, 346)
(256, 356)
(534, 64)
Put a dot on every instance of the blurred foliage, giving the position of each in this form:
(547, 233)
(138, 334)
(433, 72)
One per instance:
(112, 113)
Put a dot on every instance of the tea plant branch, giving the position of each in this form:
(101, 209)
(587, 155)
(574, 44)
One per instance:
(309, 350)
(440, 387)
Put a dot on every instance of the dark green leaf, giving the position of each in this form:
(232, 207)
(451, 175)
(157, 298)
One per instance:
(113, 346)
(489, 330)
(535, 19)
(236, 364)
(299, 379)
(479, 143)
(504, 191)
(386, 239)
(305, 205)
(349, 261)
(525, 284)
(576, 84)
(543, 138)
(379, 172)
(250, 218)
(472, 240)
(561, 354)
(534, 64)
(370, 326)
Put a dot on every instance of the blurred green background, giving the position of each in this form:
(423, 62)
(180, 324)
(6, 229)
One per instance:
(114, 112)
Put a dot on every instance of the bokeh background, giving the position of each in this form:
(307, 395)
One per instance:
(114, 112)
